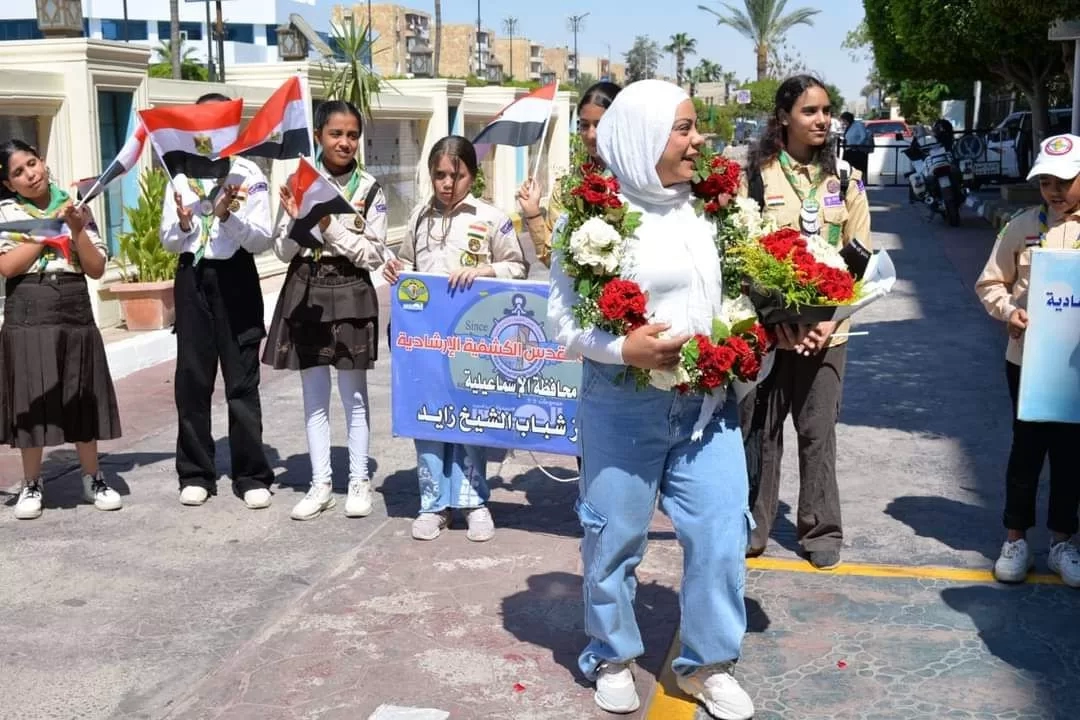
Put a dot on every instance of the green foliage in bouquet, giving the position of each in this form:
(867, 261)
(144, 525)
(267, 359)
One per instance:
(142, 257)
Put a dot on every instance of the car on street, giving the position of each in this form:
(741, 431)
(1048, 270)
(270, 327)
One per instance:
(889, 128)
(1011, 141)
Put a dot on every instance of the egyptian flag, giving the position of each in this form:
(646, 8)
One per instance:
(521, 122)
(127, 158)
(189, 138)
(316, 197)
(279, 130)
(50, 232)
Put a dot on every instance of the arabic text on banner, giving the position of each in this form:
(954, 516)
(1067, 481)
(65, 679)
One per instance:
(1050, 375)
(477, 367)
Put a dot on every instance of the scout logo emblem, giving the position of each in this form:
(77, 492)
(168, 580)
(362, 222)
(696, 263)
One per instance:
(468, 260)
(474, 244)
(476, 235)
(413, 294)
(833, 186)
(358, 222)
(1058, 146)
(204, 145)
(234, 206)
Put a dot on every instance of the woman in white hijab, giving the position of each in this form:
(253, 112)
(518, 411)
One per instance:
(640, 444)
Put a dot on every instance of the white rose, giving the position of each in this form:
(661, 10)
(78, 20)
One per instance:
(669, 379)
(733, 312)
(596, 244)
(825, 253)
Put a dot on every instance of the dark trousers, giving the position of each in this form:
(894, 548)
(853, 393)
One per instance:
(1031, 443)
(219, 319)
(809, 388)
(859, 160)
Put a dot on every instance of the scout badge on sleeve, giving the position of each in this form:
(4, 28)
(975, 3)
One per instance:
(477, 236)
(359, 221)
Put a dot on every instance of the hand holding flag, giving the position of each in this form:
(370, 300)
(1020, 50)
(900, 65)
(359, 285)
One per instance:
(313, 198)
(44, 231)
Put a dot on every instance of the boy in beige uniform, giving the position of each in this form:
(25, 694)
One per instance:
(1003, 290)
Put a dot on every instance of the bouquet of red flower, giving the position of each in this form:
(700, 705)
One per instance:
(715, 183)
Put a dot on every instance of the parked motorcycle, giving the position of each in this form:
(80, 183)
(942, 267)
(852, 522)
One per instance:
(935, 178)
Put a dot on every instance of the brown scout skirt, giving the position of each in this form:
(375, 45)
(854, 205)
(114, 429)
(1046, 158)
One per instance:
(326, 314)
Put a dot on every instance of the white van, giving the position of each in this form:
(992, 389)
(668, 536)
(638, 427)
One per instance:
(1011, 140)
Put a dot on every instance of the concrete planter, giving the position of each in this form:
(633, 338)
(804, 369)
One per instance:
(146, 306)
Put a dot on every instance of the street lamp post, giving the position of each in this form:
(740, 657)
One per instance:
(510, 26)
(479, 52)
(371, 50)
(576, 24)
(209, 45)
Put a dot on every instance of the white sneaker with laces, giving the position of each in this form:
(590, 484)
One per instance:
(257, 499)
(1014, 563)
(615, 691)
(428, 526)
(319, 497)
(481, 524)
(28, 506)
(719, 692)
(193, 495)
(1064, 560)
(97, 492)
(358, 502)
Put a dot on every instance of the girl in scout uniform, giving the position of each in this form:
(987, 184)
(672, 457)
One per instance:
(55, 386)
(327, 311)
(794, 175)
(1003, 290)
(464, 237)
(596, 100)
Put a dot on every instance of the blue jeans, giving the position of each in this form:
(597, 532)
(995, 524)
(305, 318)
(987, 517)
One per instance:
(635, 446)
(451, 475)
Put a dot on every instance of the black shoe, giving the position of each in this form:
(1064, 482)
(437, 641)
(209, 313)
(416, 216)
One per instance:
(825, 559)
(753, 552)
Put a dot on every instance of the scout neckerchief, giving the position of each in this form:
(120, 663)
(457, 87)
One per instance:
(1044, 228)
(57, 199)
(205, 212)
(809, 200)
(350, 191)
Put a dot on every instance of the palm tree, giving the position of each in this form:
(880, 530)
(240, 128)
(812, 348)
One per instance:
(174, 36)
(349, 75)
(680, 46)
(438, 34)
(708, 71)
(763, 22)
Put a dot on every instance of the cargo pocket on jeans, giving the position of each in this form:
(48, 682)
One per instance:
(593, 523)
(750, 526)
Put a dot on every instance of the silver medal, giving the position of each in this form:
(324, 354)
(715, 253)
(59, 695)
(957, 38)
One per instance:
(206, 208)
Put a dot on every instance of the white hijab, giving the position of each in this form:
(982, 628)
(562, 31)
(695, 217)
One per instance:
(632, 135)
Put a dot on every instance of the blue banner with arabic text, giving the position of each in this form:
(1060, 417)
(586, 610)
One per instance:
(1050, 374)
(477, 366)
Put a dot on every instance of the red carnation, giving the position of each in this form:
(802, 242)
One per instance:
(596, 189)
(836, 285)
(708, 188)
(761, 336)
(748, 363)
(714, 362)
(622, 300)
(783, 242)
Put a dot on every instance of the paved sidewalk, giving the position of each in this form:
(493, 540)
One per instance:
(160, 611)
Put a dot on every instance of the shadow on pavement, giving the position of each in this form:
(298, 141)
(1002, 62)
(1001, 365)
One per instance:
(1033, 629)
(948, 521)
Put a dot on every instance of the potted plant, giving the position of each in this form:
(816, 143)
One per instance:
(146, 290)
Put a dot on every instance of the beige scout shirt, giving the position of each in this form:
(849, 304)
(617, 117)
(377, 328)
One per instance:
(851, 214)
(360, 238)
(474, 233)
(1003, 285)
(50, 261)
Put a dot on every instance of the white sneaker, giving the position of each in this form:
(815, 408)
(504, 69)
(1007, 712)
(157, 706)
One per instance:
(101, 495)
(28, 506)
(320, 497)
(428, 526)
(1065, 561)
(1014, 563)
(615, 691)
(481, 524)
(257, 499)
(358, 502)
(194, 495)
(720, 693)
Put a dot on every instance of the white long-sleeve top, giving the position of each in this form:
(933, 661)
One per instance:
(359, 238)
(247, 225)
(673, 258)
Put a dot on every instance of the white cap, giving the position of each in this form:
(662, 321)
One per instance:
(1059, 156)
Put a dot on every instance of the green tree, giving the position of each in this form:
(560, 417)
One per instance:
(680, 46)
(349, 76)
(189, 68)
(642, 59)
(762, 96)
(763, 22)
(959, 41)
(785, 61)
(836, 98)
(706, 72)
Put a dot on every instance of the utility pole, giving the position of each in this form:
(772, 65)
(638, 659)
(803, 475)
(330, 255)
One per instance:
(479, 53)
(209, 45)
(577, 24)
(371, 50)
(510, 27)
(127, 33)
(220, 43)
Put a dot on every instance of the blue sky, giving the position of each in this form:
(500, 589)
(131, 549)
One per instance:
(615, 23)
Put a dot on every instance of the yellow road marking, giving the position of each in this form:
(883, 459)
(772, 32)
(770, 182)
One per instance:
(908, 572)
(668, 703)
